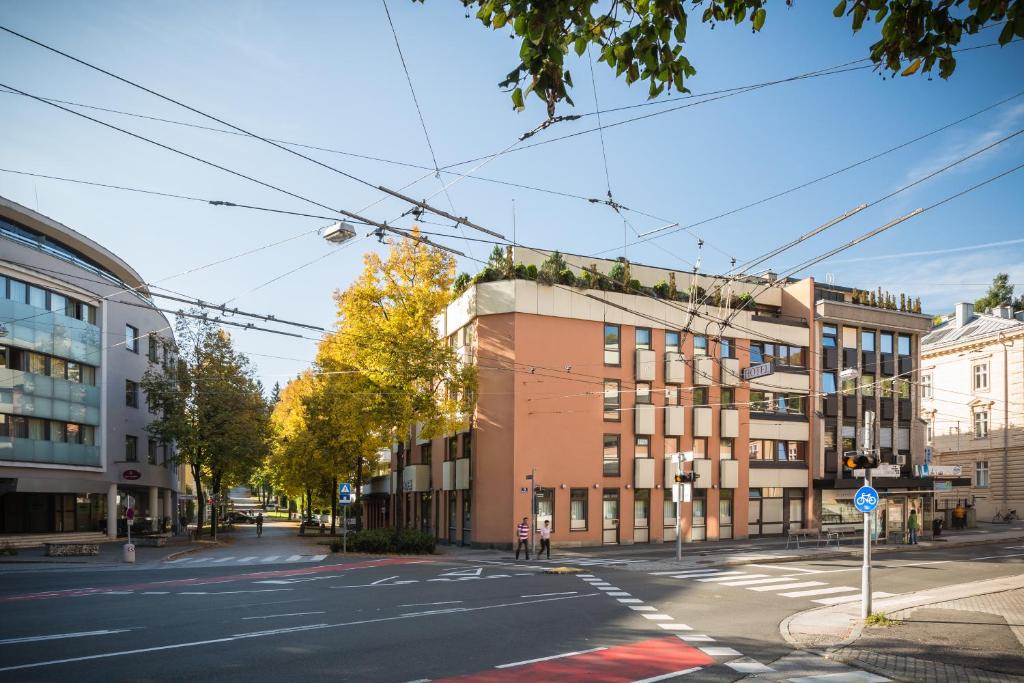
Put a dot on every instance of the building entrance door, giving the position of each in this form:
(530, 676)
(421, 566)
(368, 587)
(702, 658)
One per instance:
(765, 513)
(453, 515)
(895, 520)
(610, 526)
(641, 515)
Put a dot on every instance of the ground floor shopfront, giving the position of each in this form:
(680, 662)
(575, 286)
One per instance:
(41, 512)
(889, 520)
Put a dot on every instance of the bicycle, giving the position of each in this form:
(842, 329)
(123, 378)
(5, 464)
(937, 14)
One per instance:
(1000, 518)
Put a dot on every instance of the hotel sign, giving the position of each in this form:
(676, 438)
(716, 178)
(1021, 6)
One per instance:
(755, 371)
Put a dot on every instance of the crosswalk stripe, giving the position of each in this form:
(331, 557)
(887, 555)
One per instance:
(657, 617)
(294, 558)
(224, 559)
(675, 627)
(686, 572)
(722, 575)
(848, 598)
(249, 559)
(758, 582)
(317, 558)
(819, 591)
(727, 580)
(270, 559)
(785, 586)
(643, 608)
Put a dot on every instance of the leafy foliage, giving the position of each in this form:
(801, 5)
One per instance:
(1000, 293)
(643, 40)
(387, 541)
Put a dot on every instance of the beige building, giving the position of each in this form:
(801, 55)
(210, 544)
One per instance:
(972, 385)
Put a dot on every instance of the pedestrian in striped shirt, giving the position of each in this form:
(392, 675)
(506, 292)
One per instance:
(523, 534)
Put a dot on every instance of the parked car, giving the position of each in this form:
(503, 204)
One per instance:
(313, 524)
(239, 517)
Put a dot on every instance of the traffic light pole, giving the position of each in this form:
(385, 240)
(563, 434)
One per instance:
(865, 572)
(679, 507)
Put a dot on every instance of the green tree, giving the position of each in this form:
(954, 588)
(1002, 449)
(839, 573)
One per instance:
(1000, 293)
(208, 402)
(643, 40)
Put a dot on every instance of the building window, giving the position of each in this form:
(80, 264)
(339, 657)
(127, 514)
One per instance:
(777, 403)
(151, 451)
(903, 345)
(545, 510)
(36, 297)
(467, 448)
(926, 386)
(828, 382)
(867, 341)
(643, 338)
(903, 391)
(152, 347)
(885, 343)
(700, 447)
(643, 392)
(981, 479)
(578, 509)
(885, 387)
(725, 449)
(725, 507)
(867, 384)
(980, 424)
(700, 345)
(929, 433)
(131, 449)
(611, 455)
(643, 447)
(672, 341)
(453, 448)
(829, 336)
(611, 400)
(728, 398)
(671, 445)
(778, 451)
(611, 344)
(981, 377)
(131, 338)
(700, 396)
(671, 395)
(780, 354)
(849, 386)
(726, 348)
(131, 393)
(426, 453)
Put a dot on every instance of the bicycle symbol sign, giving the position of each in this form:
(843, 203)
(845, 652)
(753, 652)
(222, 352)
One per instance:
(866, 499)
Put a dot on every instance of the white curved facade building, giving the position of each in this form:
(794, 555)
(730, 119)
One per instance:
(77, 333)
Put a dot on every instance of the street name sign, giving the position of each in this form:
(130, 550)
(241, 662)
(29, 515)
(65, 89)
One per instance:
(945, 470)
(886, 470)
(866, 499)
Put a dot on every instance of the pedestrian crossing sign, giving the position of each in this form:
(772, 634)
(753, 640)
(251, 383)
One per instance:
(344, 493)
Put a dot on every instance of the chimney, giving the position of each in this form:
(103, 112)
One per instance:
(1003, 312)
(963, 313)
(771, 276)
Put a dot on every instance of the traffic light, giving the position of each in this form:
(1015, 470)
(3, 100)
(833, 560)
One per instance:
(861, 461)
(687, 477)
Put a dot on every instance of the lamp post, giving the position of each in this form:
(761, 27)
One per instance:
(338, 233)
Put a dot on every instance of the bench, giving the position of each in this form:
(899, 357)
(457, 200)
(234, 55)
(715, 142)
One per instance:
(797, 534)
(72, 549)
(837, 533)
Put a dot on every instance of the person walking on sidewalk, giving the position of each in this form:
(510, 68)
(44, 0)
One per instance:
(912, 526)
(523, 534)
(545, 539)
(959, 516)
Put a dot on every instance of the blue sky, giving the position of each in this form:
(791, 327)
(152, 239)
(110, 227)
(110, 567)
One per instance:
(328, 74)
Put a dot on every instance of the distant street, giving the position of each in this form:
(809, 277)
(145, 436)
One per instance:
(256, 610)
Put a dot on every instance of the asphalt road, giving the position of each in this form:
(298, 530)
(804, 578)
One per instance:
(410, 619)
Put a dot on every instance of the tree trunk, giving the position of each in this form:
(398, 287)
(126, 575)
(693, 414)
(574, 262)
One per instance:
(334, 504)
(215, 488)
(359, 493)
(200, 501)
(309, 504)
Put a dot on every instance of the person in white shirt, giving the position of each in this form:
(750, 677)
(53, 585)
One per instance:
(545, 538)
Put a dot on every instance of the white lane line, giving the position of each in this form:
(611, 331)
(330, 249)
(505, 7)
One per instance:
(270, 559)
(993, 557)
(819, 591)
(155, 593)
(848, 598)
(657, 617)
(545, 595)
(675, 627)
(379, 581)
(734, 580)
(261, 634)
(643, 608)
(180, 559)
(665, 677)
(317, 558)
(294, 558)
(758, 582)
(716, 651)
(630, 601)
(431, 604)
(275, 616)
(275, 581)
(547, 659)
(786, 586)
(619, 594)
(724, 574)
(59, 636)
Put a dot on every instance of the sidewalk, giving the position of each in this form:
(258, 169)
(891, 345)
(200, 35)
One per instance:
(968, 632)
(110, 555)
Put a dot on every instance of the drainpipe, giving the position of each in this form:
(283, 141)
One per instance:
(1006, 423)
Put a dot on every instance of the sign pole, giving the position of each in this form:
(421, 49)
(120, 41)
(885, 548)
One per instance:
(533, 511)
(865, 573)
(679, 514)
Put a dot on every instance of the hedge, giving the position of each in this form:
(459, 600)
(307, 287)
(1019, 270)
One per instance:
(382, 541)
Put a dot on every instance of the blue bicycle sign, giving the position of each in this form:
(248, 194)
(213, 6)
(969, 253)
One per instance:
(866, 499)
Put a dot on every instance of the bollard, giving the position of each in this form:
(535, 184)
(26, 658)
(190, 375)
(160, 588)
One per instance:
(129, 553)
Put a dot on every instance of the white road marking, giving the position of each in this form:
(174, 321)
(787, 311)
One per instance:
(262, 590)
(724, 574)
(716, 651)
(585, 576)
(317, 558)
(788, 568)
(993, 557)
(545, 595)
(696, 572)
(547, 659)
(261, 634)
(727, 577)
(819, 591)
(786, 586)
(643, 608)
(608, 588)
(379, 581)
(223, 559)
(757, 582)
(681, 571)
(274, 581)
(630, 601)
(747, 665)
(619, 594)
(59, 636)
(665, 677)
(431, 604)
(696, 638)
(675, 627)
(294, 558)
(249, 559)
(270, 559)
(849, 598)
(275, 616)
(155, 592)
(657, 617)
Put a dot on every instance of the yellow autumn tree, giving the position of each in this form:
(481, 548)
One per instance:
(387, 336)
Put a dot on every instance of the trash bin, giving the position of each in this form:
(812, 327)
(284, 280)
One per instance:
(937, 527)
(129, 553)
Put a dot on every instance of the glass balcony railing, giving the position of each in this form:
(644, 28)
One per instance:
(48, 452)
(25, 393)
(56, 334)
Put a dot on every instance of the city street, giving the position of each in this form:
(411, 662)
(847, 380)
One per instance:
(263, 613)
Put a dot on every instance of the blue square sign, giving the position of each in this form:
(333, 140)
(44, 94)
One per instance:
(344, 493)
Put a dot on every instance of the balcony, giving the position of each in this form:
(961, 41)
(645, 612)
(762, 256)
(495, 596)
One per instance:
(730, 372)
(416, 478)
(728, 474)
(448, 475)
(730, 422)
(49, 452)
(462, 474)
(703, 370)
(702, 468)
(645, 365)
(702, 421)
(25, 393)
(675, 368)
(643, 473)
(51, 333)
(644, 419)
(675, 420)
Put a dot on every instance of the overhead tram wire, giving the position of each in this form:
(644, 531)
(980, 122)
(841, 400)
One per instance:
(166, 98)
